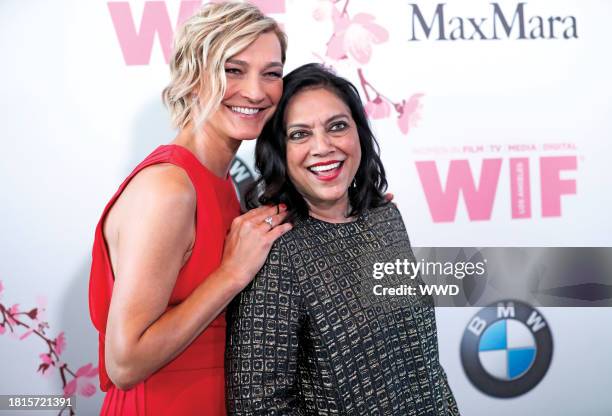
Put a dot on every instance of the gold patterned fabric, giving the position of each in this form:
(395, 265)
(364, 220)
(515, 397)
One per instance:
(309, 337)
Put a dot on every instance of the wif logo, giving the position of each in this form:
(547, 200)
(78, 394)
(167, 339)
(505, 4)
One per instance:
(479, 196)
(136, 40)
(497, 25)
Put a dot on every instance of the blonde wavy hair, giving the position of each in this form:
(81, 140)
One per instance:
(203, 44)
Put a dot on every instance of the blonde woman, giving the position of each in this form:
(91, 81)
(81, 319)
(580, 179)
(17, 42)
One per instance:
(161, 275)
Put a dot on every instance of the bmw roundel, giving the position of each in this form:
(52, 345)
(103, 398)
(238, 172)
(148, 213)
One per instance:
(506, 348)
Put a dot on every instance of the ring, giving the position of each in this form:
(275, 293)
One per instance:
(268, 221)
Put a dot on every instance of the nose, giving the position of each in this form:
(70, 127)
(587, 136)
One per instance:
(252, 89)
(322, 144)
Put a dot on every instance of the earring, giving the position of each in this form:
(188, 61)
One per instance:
(354, 184)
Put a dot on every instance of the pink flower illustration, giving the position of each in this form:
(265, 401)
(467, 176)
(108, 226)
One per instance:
(12, 311)
(60, 343)
(325, 10)
(35, 327)
(354, 37)
(378, 108)
(80, 383)
(47, 363)
(26, 334)
(46, 358)
(409, 113)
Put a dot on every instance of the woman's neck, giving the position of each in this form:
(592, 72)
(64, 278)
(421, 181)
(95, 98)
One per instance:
(331, 211)
(212, 150)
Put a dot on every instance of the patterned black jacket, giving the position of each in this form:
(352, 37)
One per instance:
(309, 336)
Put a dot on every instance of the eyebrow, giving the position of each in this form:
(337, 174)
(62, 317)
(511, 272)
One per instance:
(329, 120)
(246, 64)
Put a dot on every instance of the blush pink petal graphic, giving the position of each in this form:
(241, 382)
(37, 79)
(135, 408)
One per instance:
(60, 343)
(80, 383)
(335, 48)
(379, 33)
(12, 311)
(325, 10)
(41, 303)
(26, 334)
(2, 329)
(409, 113)
(87, 390)
(70, 388)
(378, 108)
(1, 286)
(355, 37)
(357, 44)
(46, 369)
(46, 358)
(84, 371)
(341, 22)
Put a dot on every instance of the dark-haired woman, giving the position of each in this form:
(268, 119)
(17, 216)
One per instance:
(309, 336)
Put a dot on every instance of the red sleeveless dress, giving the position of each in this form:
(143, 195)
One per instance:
(193, 383)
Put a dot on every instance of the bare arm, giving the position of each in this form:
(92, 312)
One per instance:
(150, 241)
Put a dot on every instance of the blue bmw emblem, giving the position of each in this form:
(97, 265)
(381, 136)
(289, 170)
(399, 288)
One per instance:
(506, 349)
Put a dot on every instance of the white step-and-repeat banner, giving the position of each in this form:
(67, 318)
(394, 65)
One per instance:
(495, 125)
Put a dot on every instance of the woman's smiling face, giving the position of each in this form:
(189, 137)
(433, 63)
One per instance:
(323, 149)
(254, 86)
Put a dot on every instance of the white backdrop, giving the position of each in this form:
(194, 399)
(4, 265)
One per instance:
(77, 117)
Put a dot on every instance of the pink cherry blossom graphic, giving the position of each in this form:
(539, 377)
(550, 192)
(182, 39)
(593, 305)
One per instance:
(46, 365)
(26, 334)
(409, 113)
(378, 108)
(46, 358)
(355, 37)
(80, 383)
(34, 327)
(60, 343)
(11, 312)
(325, 10)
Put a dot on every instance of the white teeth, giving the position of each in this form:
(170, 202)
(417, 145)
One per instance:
(245, 110)
(323, 168)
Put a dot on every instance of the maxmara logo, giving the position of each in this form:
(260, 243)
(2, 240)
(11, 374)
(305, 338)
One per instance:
(495, 23)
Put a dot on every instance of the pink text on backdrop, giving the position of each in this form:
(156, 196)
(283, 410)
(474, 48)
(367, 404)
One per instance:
(137, 42)
(479, 198)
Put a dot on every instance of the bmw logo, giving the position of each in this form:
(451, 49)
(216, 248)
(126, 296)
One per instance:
(506, 348)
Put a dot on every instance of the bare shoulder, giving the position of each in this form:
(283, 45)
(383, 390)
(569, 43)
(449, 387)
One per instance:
(160, 196)
(164, 186)
(163, 183)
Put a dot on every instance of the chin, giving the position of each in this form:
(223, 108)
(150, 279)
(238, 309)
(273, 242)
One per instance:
(331, 197)
(246, 137)
(246, 134)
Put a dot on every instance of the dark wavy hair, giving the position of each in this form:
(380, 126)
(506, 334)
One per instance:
(274, 185)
